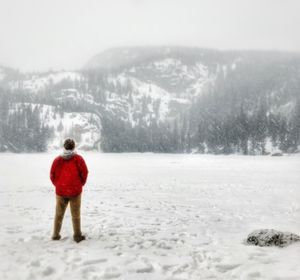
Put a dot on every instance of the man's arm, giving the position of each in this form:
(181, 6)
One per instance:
(83, 170)
(52, 171)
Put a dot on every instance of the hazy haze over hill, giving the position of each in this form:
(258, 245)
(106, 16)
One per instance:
(38, 35)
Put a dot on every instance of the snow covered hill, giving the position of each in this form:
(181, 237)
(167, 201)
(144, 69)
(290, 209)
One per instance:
(174, 99)
(2, 74)
(39, 82)
(84, 127)
(81, 126)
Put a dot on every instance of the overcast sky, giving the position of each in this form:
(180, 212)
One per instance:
(57, 34)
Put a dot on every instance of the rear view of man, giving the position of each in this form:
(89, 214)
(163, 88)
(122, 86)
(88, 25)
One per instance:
(68, 174)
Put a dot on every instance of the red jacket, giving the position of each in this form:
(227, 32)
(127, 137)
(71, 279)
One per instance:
(68, 175)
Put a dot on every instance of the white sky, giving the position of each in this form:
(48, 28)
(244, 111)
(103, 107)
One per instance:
(64, 34)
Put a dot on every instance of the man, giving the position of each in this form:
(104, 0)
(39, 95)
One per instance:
(68, 174)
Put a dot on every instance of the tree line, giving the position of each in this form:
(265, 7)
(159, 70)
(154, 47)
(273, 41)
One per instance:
(21, 127)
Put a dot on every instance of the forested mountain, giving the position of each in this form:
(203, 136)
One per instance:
(160, 99)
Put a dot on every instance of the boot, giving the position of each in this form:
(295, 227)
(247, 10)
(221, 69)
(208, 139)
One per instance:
(78, 238)
(56, 237)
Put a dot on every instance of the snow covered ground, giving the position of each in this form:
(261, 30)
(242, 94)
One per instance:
(151, 216)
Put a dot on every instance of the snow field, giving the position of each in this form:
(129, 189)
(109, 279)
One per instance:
(152, 216)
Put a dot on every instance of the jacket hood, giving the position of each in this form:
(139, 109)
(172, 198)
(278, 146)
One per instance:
(68, 154)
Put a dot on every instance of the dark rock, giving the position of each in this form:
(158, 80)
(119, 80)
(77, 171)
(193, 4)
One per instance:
(277, 155)
(271, 237)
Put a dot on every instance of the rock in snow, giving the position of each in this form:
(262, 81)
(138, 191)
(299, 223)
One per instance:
(271, 237)
(277, 154)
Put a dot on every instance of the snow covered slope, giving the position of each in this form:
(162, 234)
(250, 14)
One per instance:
(84, 127)
(38, 82)
(2, 74)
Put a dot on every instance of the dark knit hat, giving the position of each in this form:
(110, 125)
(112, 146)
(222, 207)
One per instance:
(69, 144)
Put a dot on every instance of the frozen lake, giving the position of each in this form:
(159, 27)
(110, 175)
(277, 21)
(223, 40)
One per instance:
(152, 216)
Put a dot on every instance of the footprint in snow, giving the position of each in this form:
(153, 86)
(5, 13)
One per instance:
(140, 266)
(226, 267)
(96, 261)
(254, 274)
(164, 245)
(111, 272)
(35, 263)
(48, 271)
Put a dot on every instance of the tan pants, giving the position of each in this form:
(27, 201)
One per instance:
(61, 206)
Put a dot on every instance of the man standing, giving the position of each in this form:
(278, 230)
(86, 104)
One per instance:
(68, 174)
